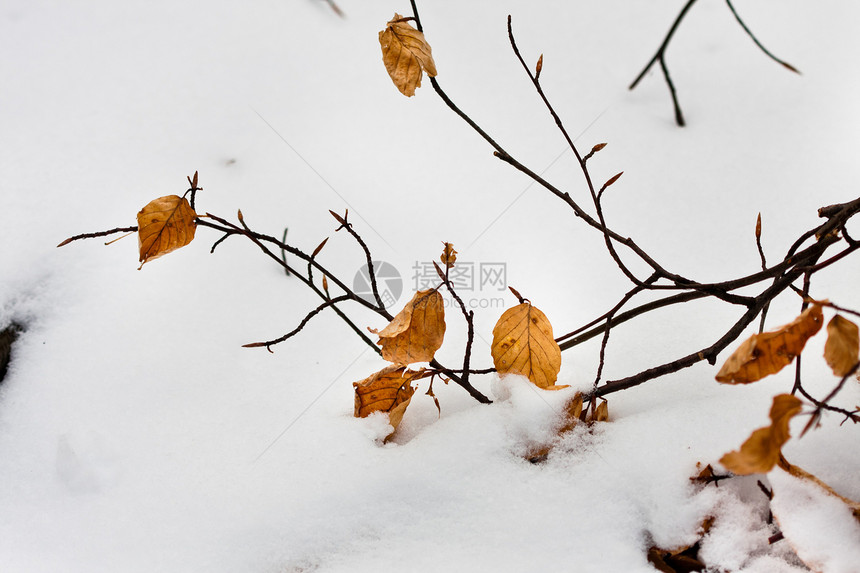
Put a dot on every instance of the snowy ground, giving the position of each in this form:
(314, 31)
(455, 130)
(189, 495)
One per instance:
(137, 435)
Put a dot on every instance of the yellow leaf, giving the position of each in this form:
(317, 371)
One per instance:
(842, 346)
(523, 344)
(406, 55)
(164, 225)
(388, 390)
(762, 449)
(769, 352)
(416, 332)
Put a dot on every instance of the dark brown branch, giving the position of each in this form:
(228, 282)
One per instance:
(660, 57)
(759, 44)
(582, 334)
(98, 234)
(230, 229)
(469, 316)
(710, 353)
(763, 267)
(259, 239)
(679, 116)
(370, 270)
(824, 404)
(301, 325)
(560, 125)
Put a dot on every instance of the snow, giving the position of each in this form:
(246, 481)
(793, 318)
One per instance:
(137, 435)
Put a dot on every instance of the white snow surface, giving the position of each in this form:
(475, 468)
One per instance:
(137, 435)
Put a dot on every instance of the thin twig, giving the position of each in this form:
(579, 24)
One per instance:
(98, 234)
(268, 344)
(370, 270)
(660, 57)
(759, 44)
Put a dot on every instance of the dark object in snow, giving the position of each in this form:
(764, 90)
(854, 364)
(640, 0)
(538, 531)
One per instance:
(7, 336)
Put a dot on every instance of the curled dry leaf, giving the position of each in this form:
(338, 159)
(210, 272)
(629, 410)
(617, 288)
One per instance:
(164, 225)
(763, 448)
(601, 413)
(523, 344)
(843, 345)
(416, 332)
(449, 255)
(406, 55)
(769, 352)
(388, 390)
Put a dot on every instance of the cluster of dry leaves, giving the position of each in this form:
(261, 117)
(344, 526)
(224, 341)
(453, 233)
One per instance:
(759, 356)
(523, 343)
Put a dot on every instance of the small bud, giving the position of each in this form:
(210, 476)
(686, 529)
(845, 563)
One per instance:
(337, 217)
(611, 180)
(517, 294)
(539, 67)
(319, 248)
(758, 227)
(594, 150)
(240, 216)
(325, 284)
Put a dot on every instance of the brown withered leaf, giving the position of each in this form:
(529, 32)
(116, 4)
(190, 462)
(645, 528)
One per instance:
(769, 352)
(406, 55)
(449, 255)
(388, 390)
(164, 225)
(601, 413)
(675, 562)
(762, 450)
(416, 332)
(843, 345)
(523, 344)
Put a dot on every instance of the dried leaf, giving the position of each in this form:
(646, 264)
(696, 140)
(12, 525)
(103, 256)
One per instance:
(449, 255)
(416, 332)
(671, 562)
(523, 344)
(843, 345)
(769, 352)
(601, 413)
(388, 390)
(762, 449)
(406, 55)
(164, 225)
